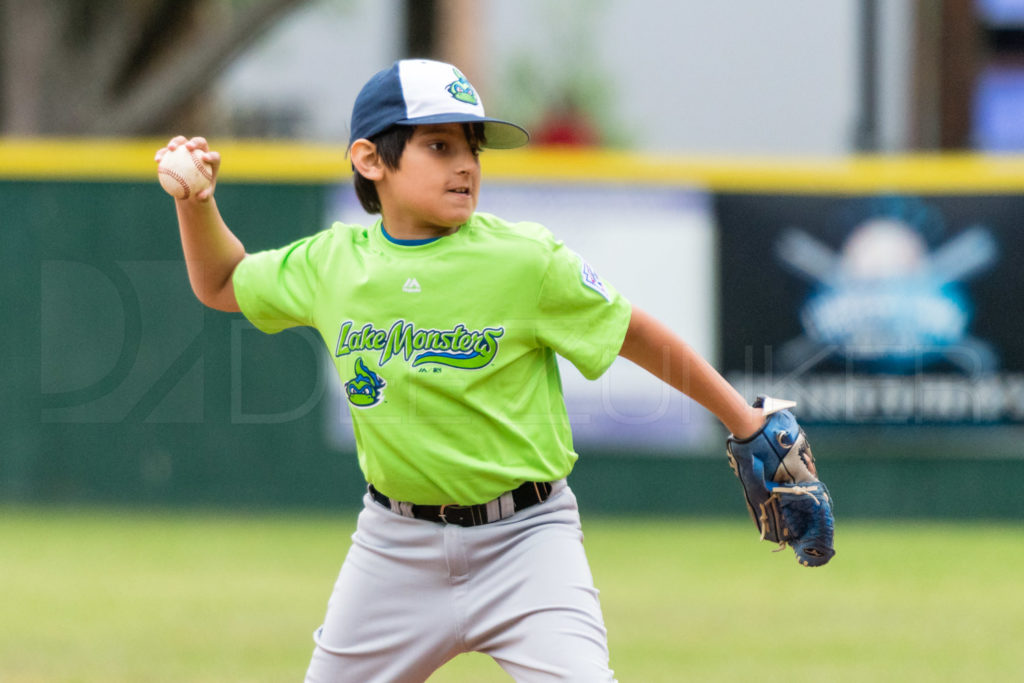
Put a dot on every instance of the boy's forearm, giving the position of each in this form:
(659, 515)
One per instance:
(654, 347)
(211, 252)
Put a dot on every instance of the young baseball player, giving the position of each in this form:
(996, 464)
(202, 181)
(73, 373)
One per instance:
(443, 324)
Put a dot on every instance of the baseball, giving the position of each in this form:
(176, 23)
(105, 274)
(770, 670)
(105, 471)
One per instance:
(183, 173)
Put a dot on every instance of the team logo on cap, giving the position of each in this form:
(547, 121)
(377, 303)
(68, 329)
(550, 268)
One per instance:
(462, 90)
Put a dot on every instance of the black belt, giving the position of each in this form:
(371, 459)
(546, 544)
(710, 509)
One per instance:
(502, 507)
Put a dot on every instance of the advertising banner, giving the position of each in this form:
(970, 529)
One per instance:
(875, 309)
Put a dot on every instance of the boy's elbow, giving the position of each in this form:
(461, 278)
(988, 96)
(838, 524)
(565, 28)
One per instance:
(219, 300)
(216, 291)
(225, 306)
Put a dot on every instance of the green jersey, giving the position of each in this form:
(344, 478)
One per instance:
(446, 349)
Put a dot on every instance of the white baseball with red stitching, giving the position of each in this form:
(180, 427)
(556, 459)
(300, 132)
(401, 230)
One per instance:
(183, 173)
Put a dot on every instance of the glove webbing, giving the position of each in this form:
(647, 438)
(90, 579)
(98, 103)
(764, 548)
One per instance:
(773, 504)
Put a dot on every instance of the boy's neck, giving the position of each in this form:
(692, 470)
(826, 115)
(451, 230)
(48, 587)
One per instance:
(405, 232)
(403, 241)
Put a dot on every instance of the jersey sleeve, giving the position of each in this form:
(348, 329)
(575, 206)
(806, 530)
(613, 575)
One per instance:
(276, 289)
(583, 318)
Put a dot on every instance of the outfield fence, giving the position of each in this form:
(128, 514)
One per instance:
(122, 388)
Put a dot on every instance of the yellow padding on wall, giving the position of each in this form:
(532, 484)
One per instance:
(296, 162)
(94, 159)
(945, 173)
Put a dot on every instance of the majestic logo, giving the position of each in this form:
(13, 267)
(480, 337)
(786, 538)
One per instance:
(462, 90)
(411, 285)
(458, 347)
(364, 390)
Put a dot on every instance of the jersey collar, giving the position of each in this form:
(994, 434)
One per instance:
(405, 243)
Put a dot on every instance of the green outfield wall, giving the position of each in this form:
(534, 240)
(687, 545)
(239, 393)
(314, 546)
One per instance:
(121, 388)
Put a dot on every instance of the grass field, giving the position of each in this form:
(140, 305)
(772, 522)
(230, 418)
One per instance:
(112, 596)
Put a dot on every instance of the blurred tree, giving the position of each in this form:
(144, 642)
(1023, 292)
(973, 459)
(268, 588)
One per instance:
(564, 93)
(118, 67)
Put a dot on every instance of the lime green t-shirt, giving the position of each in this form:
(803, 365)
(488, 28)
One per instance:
(446, 350)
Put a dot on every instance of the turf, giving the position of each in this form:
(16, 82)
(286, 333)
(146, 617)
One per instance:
(108, 595)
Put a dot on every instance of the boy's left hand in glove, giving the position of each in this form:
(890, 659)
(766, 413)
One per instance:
(786, 500)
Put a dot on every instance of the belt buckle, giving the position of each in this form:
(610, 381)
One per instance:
(462, 514)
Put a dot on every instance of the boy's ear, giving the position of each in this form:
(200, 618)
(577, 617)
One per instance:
(365, 159)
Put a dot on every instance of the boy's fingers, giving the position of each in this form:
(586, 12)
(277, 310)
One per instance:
(172, 145)
(212, 158)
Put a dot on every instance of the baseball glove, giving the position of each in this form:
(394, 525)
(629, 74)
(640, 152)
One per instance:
(786, 500)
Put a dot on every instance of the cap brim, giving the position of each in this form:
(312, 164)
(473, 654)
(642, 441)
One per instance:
(499, 134)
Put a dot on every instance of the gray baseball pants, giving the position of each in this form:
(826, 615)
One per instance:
(413, 594)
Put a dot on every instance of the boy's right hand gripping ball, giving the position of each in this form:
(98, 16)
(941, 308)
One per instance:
(183, 173)
(786, 500)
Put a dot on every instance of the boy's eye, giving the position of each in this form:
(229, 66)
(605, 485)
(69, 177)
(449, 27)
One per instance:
(438, 146)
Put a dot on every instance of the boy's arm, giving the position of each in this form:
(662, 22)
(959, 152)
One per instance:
(211, 250)
(655, 348)
(768, 450)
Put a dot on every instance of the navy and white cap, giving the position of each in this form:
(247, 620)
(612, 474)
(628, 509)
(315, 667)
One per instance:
(415, 92)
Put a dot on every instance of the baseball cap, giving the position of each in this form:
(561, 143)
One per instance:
(415, 92)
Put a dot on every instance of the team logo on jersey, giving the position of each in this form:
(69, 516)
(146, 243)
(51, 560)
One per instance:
(459, 347)
(462, 90)
(591, 279)
(364, 390)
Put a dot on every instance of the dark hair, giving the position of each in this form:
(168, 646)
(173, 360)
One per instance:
(390, 144)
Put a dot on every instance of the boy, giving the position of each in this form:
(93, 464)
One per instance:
(469, 538)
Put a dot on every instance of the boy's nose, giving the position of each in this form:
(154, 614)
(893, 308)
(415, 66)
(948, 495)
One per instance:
(466, 161)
